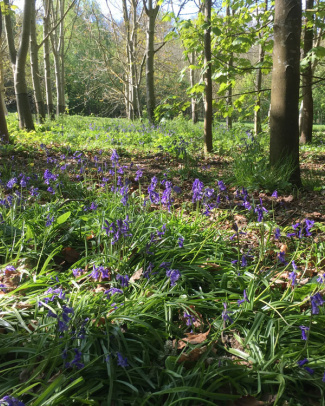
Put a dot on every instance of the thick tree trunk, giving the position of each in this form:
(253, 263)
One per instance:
(18, 61)
(47, 64)
(306, 128)
(193, 98)
(39, 102)
(150, 54)
(4, 135)
(208, 116)
(284, 117)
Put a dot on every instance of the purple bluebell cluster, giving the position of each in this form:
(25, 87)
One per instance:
(112, 291)
(260, 210)
(76, 362)
(316, 301)
(173, 275)
(190, 319)
(120, 228)
(11, 401)
(123, 280)
(225, 314)
(122, 361)
(100, 271)
(302, 230)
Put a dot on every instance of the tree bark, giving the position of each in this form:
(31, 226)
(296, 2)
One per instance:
(39, 102)
(284, 116)
(4, 135)
(18, 61)
(150, 54)
(306, 129)
(208, 116)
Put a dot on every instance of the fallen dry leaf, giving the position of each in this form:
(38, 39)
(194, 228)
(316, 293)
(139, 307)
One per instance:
(193, 355)
(137, 275)
(192, 338)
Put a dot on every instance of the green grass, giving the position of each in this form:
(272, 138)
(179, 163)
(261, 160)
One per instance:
(65, 338)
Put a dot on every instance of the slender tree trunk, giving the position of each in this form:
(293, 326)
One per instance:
(208, 116)
(4, 135)
(150, 54)
(2, 86)
(39, 102)
(47, 64)
(193, 98)
(229, 90)
(307, 116)
(258, 86)
(284, 117)
(18, 62)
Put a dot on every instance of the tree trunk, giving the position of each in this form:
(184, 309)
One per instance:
(18, 61)
(229, 90)
(150, 54)
(307, 116)
(4, 135)
(46, 58)
(207, 80)
(39, 102)
(284, 117)
(258, 85)
(193, 98)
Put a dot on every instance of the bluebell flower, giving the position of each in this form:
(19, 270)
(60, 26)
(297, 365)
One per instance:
(198, 190)
(165, 265)
(316, 300)
(277, 233)
(122, 361)
(321, 278)
(259, 209)
(139, 174)
(11, 401)
(10, 268)
(275, 194)
(304, 329)
(293, 277)
(123, 279)
(245, 299)
(190, 319)
(49, 220)
(112, 291)
(76, 361)
(180, 242)
(225, 314)
(221, 186)
(309, 370)
(11, 183)
(51, 314)
(114, 158)
(302, 362)
(173, 275)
